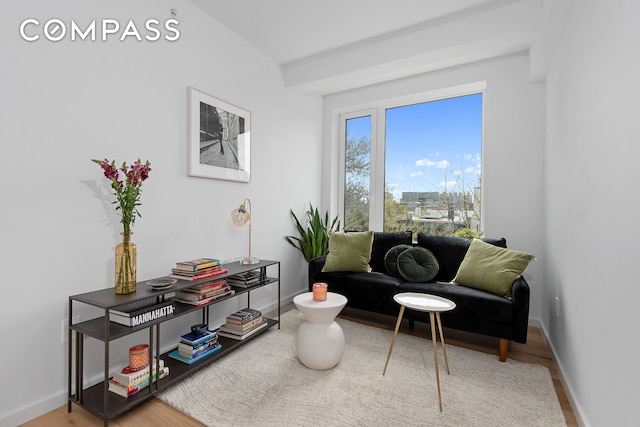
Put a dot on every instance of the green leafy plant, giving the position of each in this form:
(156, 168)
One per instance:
(314, 240)
(469, 233)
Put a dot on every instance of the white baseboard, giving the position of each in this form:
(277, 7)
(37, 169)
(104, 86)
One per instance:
(35, 409)
(575, 406)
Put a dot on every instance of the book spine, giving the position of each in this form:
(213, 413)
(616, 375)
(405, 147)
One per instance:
(244, 326)
(195, 273)
(129, 391)
(195, 267)
(176, 355)
(198, 277)
(185, 339)
(191, 349)
(200, 296)
(190, 355)
(143, 375)
(205, 287)
(244, 318)
(207, 300)
(147, 316)
(142, 310)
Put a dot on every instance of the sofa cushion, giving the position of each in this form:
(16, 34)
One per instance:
(391, 259)
(362, 290)
(417, 265)
(382, 242)
(491, 268)
(450, 251)
(349, 251)
(470, 303)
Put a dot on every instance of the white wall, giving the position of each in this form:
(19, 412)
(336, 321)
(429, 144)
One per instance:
(591, 200)
(512, 151)
(64, 103)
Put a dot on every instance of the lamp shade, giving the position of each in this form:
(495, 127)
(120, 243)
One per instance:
(240, 216)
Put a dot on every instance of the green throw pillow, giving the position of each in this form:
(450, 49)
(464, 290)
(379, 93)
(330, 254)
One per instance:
(417, 264)
(391, 259)
(491, 268)
(349, 251)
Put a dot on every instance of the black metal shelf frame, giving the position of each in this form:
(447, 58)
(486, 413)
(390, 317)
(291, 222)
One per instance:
(107, 405)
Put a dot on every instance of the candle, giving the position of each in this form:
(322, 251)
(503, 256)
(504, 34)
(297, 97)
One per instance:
(139, 356)
(319, 291)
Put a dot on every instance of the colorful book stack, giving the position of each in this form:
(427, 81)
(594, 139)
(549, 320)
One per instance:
(127, 383)
(247, 279)
(242, 324)
(200, 294)
(194, 347)
(197, 270)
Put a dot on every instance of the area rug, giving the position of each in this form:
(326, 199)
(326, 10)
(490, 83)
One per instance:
(264, 384)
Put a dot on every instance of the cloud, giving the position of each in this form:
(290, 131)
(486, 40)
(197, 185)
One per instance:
(448, 184)
(474, 157)
(415, 174)
(442, 164)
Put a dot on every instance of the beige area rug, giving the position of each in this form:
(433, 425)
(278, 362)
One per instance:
(264, 384)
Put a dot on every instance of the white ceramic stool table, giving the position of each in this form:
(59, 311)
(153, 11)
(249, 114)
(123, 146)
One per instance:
(320, 340)
(434, 305)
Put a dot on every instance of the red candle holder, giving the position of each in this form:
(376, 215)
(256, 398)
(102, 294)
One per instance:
(319, 291)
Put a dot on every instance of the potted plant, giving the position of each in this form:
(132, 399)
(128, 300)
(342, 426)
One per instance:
(314, 240)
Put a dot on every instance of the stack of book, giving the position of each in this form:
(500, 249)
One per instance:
(247, 279)
(200, 294)
(142, 311)
(193, 347)
(197, 270)
(127, 383)
(242, 324)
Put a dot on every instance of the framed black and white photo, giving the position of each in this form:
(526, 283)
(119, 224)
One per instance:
(219, 139)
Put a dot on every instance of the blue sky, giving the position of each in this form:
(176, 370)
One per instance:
(431, 146)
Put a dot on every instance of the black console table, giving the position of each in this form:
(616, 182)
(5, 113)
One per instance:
(97, 398)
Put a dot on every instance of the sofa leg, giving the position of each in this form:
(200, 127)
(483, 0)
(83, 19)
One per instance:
(504, 348)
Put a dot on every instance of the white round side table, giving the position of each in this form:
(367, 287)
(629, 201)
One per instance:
(320, 340)
(434, 305)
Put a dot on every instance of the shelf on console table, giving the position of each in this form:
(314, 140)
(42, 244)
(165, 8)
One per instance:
(107, 405)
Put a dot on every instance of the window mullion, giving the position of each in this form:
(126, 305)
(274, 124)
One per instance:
(376, 206)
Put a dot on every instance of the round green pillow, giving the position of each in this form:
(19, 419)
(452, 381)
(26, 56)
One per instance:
(417, 265)
(391, 259)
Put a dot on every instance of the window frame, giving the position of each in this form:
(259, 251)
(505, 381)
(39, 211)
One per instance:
(377, 112)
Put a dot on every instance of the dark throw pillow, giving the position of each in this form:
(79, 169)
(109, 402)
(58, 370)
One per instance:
(391, 259)
(417, 265)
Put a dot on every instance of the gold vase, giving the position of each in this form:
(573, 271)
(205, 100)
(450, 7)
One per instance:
(125, 265)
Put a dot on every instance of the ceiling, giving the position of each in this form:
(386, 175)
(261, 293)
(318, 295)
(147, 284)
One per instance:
(289, 30)
(305, 36)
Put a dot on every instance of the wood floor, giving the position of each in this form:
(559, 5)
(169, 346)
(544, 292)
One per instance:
(154, 412)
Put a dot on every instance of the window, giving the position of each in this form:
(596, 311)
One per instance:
(357, 173)
(413, 166)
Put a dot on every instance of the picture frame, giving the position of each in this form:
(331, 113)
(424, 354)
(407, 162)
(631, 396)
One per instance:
(219, 138)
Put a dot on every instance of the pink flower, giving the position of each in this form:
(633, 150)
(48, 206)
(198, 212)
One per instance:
(127, 191)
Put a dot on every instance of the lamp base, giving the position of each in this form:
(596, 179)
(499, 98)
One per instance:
(251, 260)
